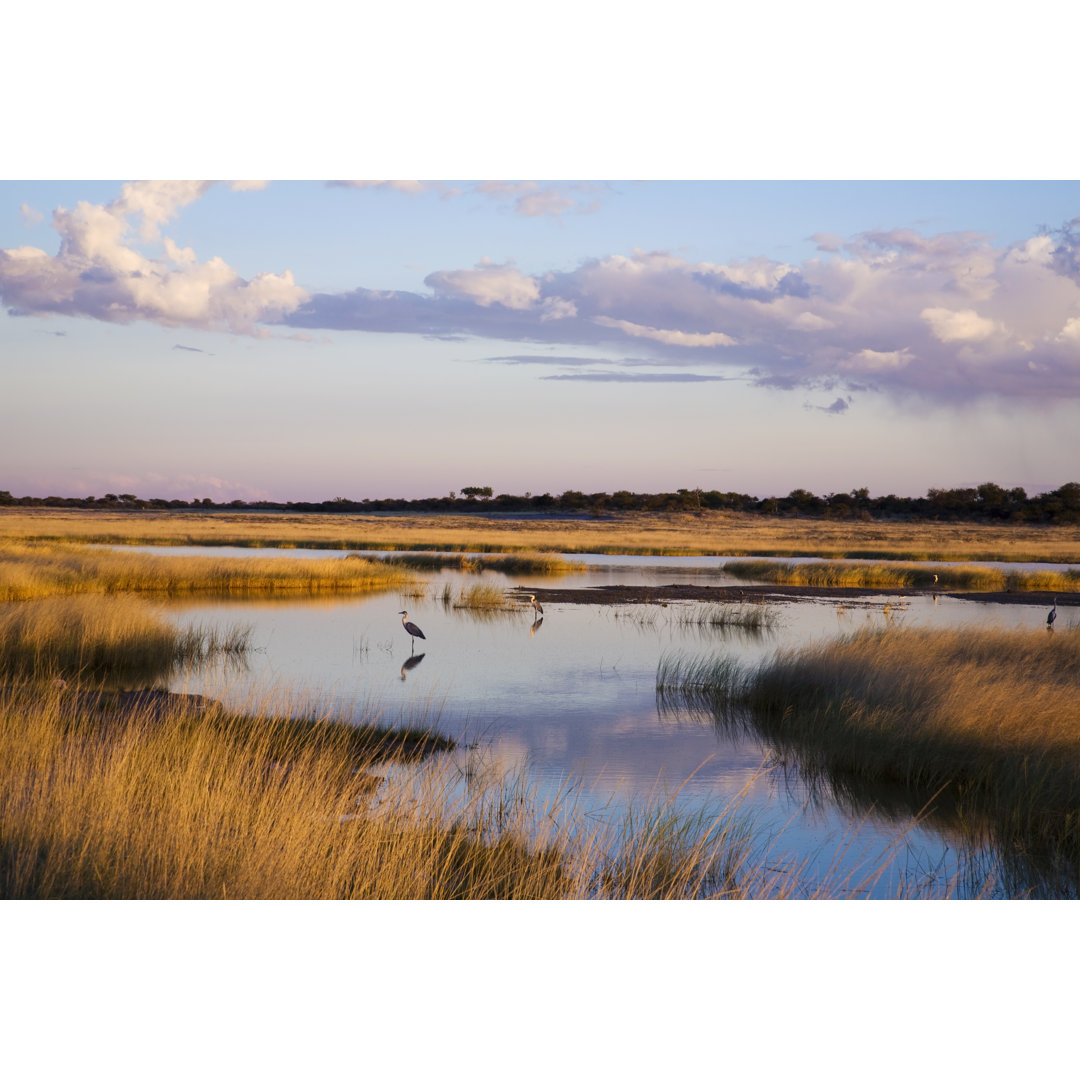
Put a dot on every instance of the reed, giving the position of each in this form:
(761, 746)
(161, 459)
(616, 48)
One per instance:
(753, 616)
(104, 636)
(983, 725)
(486, 597)
(29, 571)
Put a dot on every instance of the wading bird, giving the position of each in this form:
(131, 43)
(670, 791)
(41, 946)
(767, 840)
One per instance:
(411, 627)
(1053, 614)
(536, 607)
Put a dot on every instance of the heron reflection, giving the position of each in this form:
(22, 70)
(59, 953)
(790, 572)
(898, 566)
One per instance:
(536, 626)
(410, 664)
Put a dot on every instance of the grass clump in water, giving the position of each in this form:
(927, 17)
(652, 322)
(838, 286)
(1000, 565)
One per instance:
(104, 636)
(482, 597)
(524, 563)
(723, 616)
(986, 722)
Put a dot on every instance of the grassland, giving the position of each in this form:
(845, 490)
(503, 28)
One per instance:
(719, 533)
(892, 576)
(986, 722)
(34, 570)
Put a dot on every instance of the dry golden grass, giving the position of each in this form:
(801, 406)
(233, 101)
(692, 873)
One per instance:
(32, 570)
(717, 532)
(207, 805)
(986, 722)
(893, 576)
(98, 637)
(912, 703)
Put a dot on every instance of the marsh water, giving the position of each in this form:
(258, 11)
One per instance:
(569, 701)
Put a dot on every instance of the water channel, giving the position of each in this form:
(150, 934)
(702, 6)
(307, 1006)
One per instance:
(570, 701)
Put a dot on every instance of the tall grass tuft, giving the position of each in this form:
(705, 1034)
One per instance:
(486, 597)
(982, 724)
(101, 636)
(756, 617)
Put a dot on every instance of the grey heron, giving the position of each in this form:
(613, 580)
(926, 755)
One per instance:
(414, 631)
(536, 607)
(1053, 614)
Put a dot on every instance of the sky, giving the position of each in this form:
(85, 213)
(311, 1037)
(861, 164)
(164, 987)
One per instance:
(313, 339)
(791, 269)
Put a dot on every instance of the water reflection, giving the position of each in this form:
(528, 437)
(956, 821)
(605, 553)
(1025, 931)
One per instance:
(578, 702)
(1003, 843)
(409, 664)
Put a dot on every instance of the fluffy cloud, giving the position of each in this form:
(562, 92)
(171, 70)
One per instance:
(966, 325)
(99, 273)
(489, 283)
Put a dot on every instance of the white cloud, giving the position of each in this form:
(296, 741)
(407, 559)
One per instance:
(1070, 332)
(407, 187)
(532, 199)
(156, 201)
(30, 216)
(96, 272)
(555, 308)
(666, 337)
(488, 283)
(869, 361)
(966, 325)
(807, 320)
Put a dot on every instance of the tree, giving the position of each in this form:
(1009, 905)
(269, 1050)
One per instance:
(473, 492)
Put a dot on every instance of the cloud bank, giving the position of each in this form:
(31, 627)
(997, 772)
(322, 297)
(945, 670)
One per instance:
(100, 273)
(949, 317)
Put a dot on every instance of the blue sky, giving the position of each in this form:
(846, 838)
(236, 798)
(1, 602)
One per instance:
(308, 339)
(828, 273)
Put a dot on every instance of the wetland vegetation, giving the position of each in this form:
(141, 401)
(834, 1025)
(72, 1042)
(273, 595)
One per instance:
(33, 570)
(979, 725)
(109, 794)
(879, 575)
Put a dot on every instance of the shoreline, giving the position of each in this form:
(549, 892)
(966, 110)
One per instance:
(726, 594)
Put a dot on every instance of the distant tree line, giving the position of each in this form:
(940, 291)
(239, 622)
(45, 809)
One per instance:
(987, 502)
